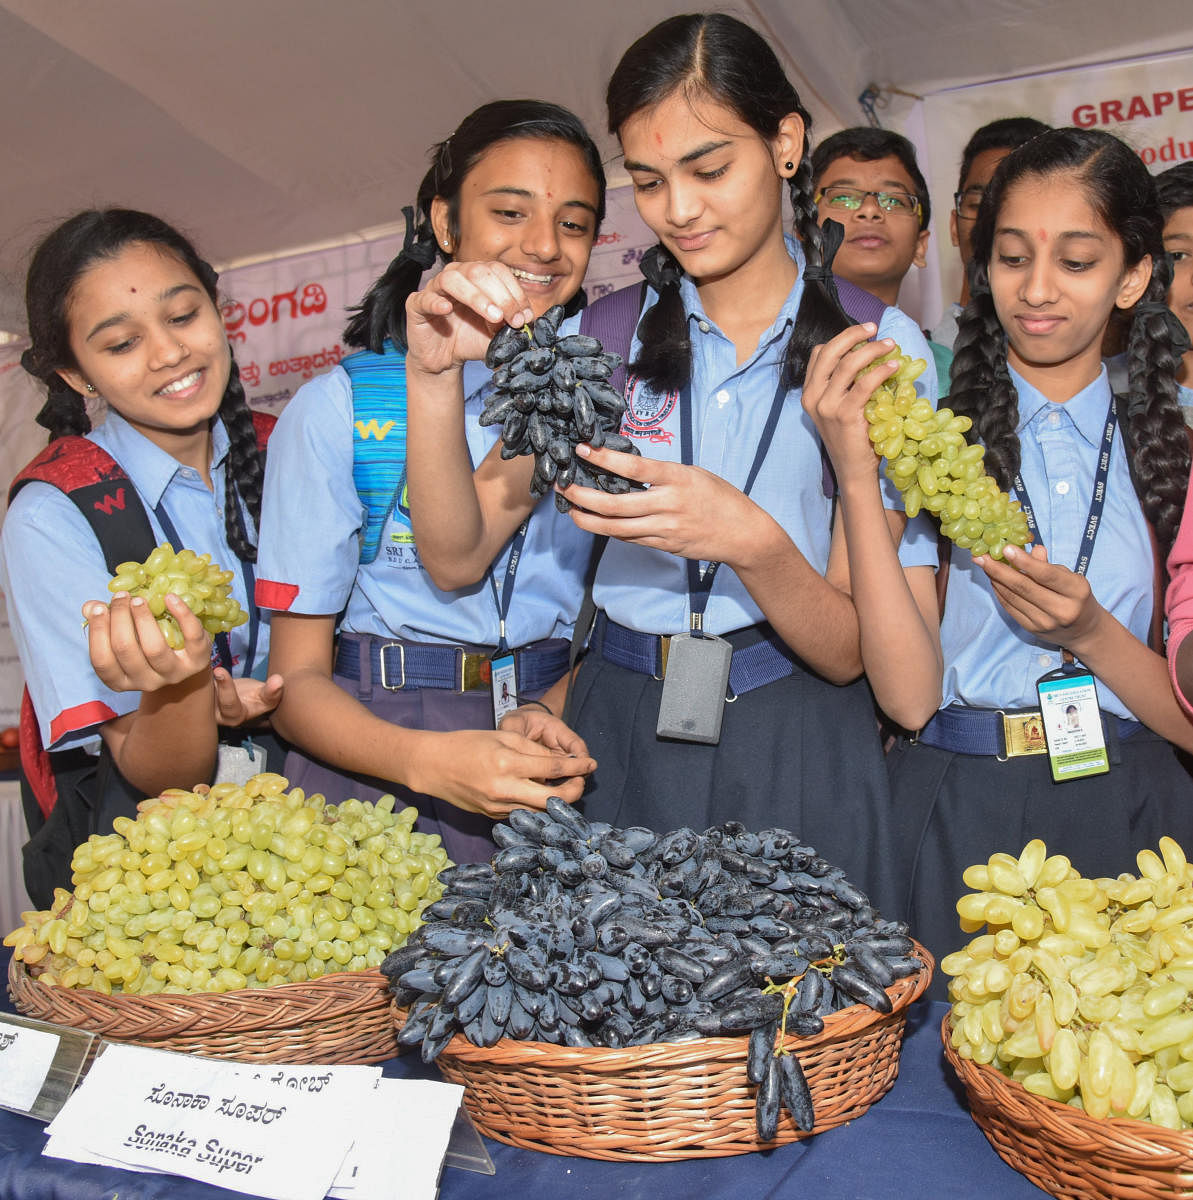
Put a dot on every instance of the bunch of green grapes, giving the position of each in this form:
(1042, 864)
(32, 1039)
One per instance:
(1081, 988)
(930, 462)
(201, 584)
(234, 887)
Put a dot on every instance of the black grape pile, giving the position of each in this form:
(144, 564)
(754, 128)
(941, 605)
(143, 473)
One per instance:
(549, 395)
(581, 934)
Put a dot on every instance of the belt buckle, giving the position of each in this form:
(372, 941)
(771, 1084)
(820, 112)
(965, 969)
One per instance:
(476, 671)
(1022, 734)
(393, 687)
(664, 650)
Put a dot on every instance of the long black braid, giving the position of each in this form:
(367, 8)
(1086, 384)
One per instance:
(719, 57)
(58, 262)
(1122, 193)
(381, 314)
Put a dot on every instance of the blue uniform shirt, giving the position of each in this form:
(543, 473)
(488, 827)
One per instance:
(309, 560)
(990, 660)
(51, 565)
(647, 589)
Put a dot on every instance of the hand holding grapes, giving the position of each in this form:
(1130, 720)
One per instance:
(129, 651)
(1049, 600)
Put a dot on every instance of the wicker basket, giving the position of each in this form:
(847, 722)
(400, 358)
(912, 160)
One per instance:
(341, 1018)
(1069, 1153)
(670, 1101)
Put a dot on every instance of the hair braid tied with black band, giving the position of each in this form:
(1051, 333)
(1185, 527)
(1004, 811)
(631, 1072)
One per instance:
(664, 361)
(820, 316)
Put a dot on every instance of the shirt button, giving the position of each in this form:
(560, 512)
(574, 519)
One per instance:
(703, 326)
(1054, 418)
(722, 397)
(1044, 660)
(1062, 488)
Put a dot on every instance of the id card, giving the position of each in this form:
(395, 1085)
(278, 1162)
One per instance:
(1072, 725)
(693, 699)
(238, 764)
(504, 683)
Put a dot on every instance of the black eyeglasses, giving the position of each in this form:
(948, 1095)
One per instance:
(850, 199)
(967, 203)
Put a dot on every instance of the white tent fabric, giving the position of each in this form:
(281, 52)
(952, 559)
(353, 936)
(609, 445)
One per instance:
(262, 126)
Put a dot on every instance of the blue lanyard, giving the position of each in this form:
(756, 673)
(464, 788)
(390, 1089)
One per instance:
(505, 596)
(222, 646)
(1097, 500)
(700, 582)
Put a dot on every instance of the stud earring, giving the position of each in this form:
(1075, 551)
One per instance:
(789, 165)
(91, 389)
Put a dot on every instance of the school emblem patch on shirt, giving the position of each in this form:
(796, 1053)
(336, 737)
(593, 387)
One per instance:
(647, 412)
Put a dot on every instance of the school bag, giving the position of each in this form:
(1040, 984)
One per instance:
(102, 491)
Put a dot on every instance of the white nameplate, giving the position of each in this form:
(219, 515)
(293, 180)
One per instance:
(25, 1058)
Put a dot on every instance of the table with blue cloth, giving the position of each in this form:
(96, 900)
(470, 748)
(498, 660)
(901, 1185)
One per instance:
(918, 1140)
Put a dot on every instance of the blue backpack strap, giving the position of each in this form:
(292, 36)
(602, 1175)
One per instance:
(378, 437)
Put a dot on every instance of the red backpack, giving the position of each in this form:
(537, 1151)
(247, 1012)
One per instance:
(102, 491)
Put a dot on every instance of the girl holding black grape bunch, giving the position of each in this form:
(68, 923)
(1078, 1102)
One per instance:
(1064, 636)
(392, 681)
(728, 564)
(121, 308)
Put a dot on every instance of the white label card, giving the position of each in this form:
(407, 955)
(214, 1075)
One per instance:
(25, 1059)
(214, 1121)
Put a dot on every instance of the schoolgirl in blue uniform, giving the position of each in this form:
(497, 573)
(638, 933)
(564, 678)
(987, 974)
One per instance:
(1069, 231)
(389, 677)
(122, 308)
(735, 535)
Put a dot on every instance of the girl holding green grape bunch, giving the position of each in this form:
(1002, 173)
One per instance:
(121, 307)
(1069, 232)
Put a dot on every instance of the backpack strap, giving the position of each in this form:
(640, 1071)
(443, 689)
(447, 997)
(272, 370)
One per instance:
(378, 437)
(101, 490)
(263, 425)
(614, 320)
(861, 305)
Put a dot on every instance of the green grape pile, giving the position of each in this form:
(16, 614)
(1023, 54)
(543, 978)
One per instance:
(930, 462)
(1080, 988)
(234, 887)
(201, 584)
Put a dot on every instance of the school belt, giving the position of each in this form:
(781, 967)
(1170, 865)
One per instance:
(402, 666)
(997, 732)
(759, 655)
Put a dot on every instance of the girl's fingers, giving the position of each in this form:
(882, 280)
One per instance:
(628, 466)
(489, 289)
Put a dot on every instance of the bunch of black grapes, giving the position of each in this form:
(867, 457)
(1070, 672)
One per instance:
(550, 394)
(582, 934)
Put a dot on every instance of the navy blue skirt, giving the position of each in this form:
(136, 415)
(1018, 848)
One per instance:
(955, 810)
(800, 754)
(467, 836)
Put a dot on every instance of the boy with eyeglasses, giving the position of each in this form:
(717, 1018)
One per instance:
(1174, 189)
(868, 180)
(986, 148)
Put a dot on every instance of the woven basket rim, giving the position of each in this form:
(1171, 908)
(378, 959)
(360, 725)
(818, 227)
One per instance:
(167, 1014)
(842, 1025)
(1125, 1138)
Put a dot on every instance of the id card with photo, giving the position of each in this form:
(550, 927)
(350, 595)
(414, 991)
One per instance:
(1072, 725)
(504, 682)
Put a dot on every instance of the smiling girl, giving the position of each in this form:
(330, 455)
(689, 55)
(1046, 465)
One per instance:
(389, 678)
(735, 535)
(121, 308)
(1069, 232)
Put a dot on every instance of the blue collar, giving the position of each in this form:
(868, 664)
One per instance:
(1086, 410)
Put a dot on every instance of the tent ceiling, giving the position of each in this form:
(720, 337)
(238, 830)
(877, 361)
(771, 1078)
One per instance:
(263, 125)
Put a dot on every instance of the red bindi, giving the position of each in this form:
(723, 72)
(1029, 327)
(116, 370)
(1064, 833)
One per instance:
(1041, 236)
(133, 290)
